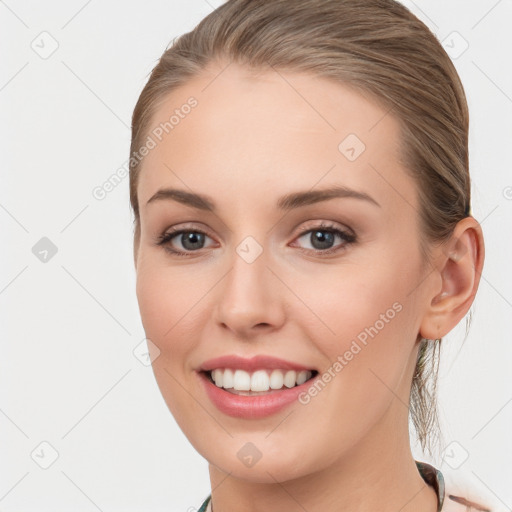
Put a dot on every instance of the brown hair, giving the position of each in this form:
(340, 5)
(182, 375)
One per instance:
(385, 52)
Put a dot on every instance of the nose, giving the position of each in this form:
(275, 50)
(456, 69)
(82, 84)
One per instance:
(250, 300)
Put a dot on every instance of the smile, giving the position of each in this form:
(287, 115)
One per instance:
(242, 382)
(253, 388)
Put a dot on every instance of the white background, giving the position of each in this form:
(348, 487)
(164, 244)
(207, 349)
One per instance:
(69, 325)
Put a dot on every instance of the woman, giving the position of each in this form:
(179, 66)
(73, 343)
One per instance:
(303, 241)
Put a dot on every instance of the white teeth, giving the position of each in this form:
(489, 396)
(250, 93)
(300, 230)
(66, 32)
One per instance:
(217, 376)
(276, 379)
(227, 381)
(260, 380)
(302, 377)
(289, 378)
(241, 381)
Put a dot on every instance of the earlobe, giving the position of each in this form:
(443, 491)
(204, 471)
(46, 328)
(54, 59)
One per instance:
(459, 262)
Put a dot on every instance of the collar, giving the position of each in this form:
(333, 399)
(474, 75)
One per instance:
(435, 479)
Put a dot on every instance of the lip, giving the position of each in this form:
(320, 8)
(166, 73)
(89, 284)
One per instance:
(259, 362)
(251, 407)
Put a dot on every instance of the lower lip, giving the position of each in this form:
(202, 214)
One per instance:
(251, 407)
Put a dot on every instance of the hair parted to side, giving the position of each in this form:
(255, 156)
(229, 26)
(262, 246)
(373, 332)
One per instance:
(381, 49)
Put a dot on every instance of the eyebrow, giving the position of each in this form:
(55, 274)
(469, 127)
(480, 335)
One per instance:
(286, 202)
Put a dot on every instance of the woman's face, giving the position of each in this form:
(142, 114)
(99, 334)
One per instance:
(330, 284)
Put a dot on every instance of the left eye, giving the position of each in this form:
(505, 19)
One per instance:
(322, 238)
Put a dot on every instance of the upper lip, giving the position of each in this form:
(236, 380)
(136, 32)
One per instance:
(254, 363)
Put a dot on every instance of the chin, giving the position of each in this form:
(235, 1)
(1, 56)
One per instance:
(242, 459)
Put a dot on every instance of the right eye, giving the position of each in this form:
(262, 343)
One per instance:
(191, 240)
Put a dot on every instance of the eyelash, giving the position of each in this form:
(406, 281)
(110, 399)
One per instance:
(349, 238)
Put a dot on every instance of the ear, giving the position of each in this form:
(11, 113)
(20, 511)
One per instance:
(459, 263)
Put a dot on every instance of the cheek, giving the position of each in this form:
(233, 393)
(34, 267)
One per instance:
(355, 305)
(168, 302)
(366, 324)
(167, 297)
(366, 328)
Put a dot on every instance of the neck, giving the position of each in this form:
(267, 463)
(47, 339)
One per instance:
(378, 474)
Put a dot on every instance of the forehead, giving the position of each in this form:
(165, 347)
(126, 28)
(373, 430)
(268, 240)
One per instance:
(258, 133)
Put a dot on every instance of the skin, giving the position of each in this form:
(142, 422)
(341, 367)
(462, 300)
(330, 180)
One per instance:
(253, 138)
